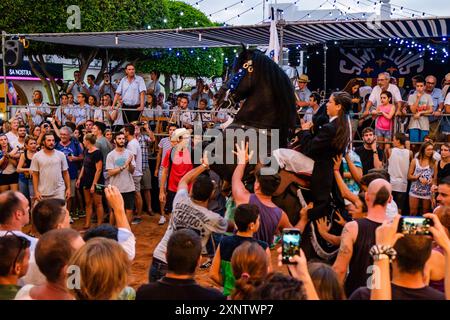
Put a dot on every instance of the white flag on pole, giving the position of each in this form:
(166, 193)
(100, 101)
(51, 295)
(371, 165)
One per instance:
(274, 45)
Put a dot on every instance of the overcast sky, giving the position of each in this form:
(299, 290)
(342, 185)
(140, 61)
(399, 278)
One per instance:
(434, 7)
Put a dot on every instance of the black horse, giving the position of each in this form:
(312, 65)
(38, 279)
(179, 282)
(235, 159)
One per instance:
(267, 102)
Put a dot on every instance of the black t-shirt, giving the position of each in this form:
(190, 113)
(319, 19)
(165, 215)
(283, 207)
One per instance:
(89, 162)
(402, 293)
(177, 289)
(367, 157)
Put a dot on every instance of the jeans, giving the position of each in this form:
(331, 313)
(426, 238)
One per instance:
(26, 187)
(213, 243)
(158, 269)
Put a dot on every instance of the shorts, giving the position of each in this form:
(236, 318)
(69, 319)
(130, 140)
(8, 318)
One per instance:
(146, 181)
(158, 270)
(169, 201)
(7, 179)
(417, 135)
(128, 200)
(137, 183)
(383, 133)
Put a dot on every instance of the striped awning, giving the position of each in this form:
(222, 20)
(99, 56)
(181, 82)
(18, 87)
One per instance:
(294, 33)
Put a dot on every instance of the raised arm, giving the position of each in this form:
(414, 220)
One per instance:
(240, 193)
(345, 253)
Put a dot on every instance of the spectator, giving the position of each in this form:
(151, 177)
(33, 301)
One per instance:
(38, 110)
(154, 88)
(91, 174)
(122, 232)
(101, 113)
(445, 122)
(303, 93)
(359, 236)
(421, 104)
(352, 87)
(277, 286)
(190, 212)
(50, 172)
(93, 88)
(64, 112)
(176, 163)
(398, 168)
(183, 255)
(203, 117)
(152, 110)
(101, 142)
(9, 178)
(442, 167)
(247, 220)
(352, 172)
(109, 137)
(371, 155)
(438, 102)
(132, 92)
(375, 96)
(83, 111)
(14, 258)
(77, 86)
(135, 149)
(74, 156)
(120, 165)
(272, 218)
(114, 114)
(92, 101)
(164, 145)
(53, 252)
(20, 143)
(326, 281)
(184, 117)
(385, 122)
(201, 91)
(104, 270)
(250, 266)
(13, 134)
(411, 254)
(146, 138)
(311, 110)
(421, 173)
(24, 170)
(107, 87)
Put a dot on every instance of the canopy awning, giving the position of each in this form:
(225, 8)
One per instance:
(294, 33)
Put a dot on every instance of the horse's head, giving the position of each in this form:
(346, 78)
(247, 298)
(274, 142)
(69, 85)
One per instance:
(239, 85)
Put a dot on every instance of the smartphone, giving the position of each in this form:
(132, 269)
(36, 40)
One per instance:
(291, 239)
(49, 119)
(419, 226)
(100, 188)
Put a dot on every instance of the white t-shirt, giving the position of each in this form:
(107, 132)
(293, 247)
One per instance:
(188, 215)
(425, 102)
(127, 240)
(136, 150)
(50, 168)
(447, 100)
(12, 138)
(398, 169)
(123, 180)
(376, 92)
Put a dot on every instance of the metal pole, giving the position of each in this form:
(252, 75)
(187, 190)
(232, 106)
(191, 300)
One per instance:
(325, 48)
(4, 71)
(280, 62)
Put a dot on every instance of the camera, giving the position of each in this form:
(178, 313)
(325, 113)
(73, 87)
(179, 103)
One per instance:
(100, 188)
(49, 119)
(291, 238)
(412, 225)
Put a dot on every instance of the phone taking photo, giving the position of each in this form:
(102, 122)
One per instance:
(411, 225)
(100, 188)
(291, 239)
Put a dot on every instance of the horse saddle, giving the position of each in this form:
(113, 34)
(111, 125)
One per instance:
(301, 179)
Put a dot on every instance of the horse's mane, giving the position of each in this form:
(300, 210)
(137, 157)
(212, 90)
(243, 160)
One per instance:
(269, 76)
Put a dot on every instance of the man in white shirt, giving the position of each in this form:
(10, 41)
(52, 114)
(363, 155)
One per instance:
(154, 87)
(132, 91)
(420, 104)
(134, 147)
(383, 85)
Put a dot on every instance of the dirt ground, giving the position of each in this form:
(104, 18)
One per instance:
(148, 234)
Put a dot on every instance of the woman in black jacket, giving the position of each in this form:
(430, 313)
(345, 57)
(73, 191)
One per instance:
(331, 140)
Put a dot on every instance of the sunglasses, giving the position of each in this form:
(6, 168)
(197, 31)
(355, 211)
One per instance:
(24, 244)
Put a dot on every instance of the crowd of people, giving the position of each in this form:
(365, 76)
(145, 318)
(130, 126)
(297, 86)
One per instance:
(95, 159)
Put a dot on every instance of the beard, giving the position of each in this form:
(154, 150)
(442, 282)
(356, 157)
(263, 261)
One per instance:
(49, 147)
(120, 144)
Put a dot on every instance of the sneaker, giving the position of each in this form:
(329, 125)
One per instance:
(74, 216)
(136, 220)
(71, 221)
(162, 220)
(206, 265)
(81, 214)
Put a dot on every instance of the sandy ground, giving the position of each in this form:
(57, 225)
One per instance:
(148, 234)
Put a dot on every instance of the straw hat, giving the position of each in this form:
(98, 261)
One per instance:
(178, 133)
(303, 78)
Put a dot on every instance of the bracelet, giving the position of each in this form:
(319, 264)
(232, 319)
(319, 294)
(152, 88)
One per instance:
(380, 252)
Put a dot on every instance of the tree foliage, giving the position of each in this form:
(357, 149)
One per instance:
(201, 62)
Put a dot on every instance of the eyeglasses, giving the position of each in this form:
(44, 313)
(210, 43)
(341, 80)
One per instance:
(431, 83)
(24, 244)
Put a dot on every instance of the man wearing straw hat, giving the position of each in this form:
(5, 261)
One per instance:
(303, 93)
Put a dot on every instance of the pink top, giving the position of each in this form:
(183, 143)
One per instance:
(384, 123)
